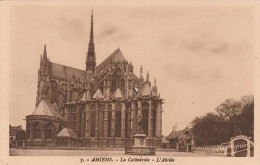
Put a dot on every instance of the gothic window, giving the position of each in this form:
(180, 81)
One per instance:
(54, 91)
(63, 86)
(136, 115)
(101, 87)
(127, 116)
(74, 95)
(118, 118)
(122, 88)
(37, 131)
(109, 120)
(145, 107)
(93, 120)
(101, 119)
(49, 131)
(70, 96)
(118, 81)
(73, 113)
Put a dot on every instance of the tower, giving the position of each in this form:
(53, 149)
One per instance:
(91, 56)
(43, 88)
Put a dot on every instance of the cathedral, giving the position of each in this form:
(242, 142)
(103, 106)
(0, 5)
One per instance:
(96, 107)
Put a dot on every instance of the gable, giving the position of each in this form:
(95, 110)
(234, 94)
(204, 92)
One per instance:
(114, 57)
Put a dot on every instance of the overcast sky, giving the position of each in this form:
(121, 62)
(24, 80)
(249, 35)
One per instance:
(199, 55)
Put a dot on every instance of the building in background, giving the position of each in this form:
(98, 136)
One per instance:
(100, 105)
(16, 136)
(181, 140)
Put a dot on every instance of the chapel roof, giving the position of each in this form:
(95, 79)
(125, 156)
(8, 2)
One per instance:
(114, 57)
(46, 108)
(66, 132)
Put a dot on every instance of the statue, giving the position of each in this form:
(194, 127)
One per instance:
(140, 123)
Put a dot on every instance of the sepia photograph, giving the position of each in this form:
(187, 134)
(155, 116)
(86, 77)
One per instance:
(123, 82)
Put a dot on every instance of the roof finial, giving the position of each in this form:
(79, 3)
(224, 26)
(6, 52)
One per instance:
(141, 72)
(44, 54)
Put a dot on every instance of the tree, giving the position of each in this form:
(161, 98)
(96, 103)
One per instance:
(228, 111)
(232, 118)
(206, 130)
(245, 120)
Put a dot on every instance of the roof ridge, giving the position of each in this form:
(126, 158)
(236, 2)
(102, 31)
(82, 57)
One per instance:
(67, 66)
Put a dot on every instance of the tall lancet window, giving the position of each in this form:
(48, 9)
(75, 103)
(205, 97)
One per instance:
(49, 131)
(118, 81)
(37, 130)
(145, 108)
(54, 91)
(93, 120)
(118, 117)
(109, 120)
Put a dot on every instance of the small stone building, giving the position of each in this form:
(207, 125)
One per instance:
(43, 124)
(68, 138)
(181, 140)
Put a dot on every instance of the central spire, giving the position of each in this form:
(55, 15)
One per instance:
(91, 56)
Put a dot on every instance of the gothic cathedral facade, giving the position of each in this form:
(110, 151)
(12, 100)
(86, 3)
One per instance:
(98, 106)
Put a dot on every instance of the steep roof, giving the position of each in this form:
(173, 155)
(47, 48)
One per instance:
(177, 134)
(66, 132)
(66, 72)
(114, 57)
(98, 95)
(174, 134)
(46, 108)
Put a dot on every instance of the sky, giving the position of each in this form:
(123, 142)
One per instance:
(200, 56)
